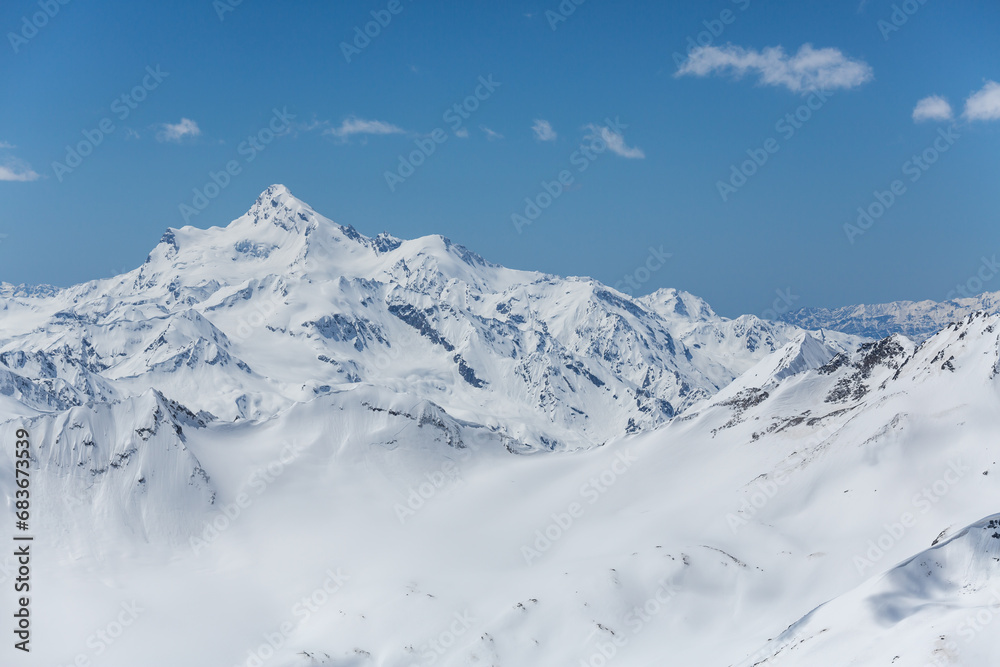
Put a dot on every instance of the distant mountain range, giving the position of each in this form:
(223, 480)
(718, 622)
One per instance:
(916, 320)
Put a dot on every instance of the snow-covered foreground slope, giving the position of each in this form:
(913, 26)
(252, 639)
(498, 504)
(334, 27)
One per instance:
(928, 610)
(265, 454)
(368, 528)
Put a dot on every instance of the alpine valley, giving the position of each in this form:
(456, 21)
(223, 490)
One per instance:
(284, 443)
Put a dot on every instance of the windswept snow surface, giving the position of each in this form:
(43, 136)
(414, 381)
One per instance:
(281, 443)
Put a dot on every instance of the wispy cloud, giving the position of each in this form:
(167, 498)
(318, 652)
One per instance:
(462, 132)
(15, 170)
(933, 107)
(984, 104)
(359, 126)
(543, 130)
(177, 132)
(490, 134)
(615, 142)
(808, 70)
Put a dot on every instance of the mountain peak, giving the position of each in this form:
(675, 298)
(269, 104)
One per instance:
(671, 302)
(279, 207)
(275, 191)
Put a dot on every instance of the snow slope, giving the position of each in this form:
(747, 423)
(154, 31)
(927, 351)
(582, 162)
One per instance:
(928, 610)
(415, 538)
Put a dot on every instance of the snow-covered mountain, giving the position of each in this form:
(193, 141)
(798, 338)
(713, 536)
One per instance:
(915, 319)
(283, 305)
(281, 443)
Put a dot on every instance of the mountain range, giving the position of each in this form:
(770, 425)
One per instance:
(286, 443)
(915, 319)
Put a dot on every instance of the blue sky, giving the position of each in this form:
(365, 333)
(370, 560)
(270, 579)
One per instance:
(644, 132)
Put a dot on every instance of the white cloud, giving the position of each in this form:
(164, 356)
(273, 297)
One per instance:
(984, 104)
(615, 142)
(490, 134)
(178, 131)
(353, 126)
(809, 69)
(933, 107)
(462, 132)
(15, 170)
(543, 130)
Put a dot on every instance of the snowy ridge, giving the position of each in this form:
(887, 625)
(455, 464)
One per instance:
(927, 610)
(119, 471)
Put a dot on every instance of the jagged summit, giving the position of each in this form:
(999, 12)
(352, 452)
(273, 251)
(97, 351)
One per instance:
(278, 192)
(276, 205)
